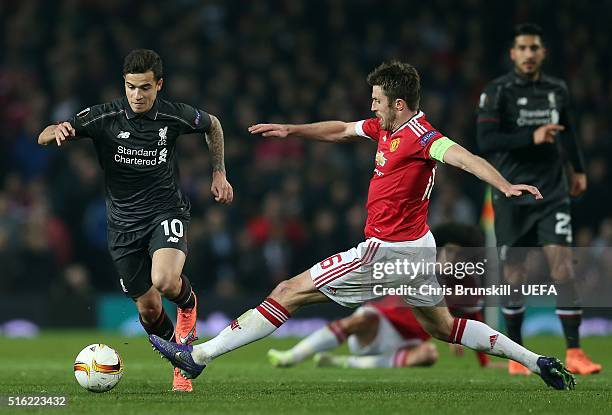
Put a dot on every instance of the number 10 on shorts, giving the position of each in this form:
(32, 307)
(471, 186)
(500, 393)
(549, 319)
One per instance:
(175, 226)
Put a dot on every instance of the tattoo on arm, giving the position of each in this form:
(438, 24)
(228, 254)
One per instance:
(214, 139)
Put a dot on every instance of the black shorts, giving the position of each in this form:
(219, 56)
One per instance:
(533, 225)
(131, 252)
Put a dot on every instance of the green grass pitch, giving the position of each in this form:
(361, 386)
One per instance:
(243, 382)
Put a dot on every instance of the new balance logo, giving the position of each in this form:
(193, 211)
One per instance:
(122, 285)
(493, 340)
(173, 239)
(123, 134)
(235, 325)
(84, 112)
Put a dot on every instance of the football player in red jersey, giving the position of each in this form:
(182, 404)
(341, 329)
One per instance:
(385, 333)
(396, 232)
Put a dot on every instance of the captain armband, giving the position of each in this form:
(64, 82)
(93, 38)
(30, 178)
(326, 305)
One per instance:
(439, 148)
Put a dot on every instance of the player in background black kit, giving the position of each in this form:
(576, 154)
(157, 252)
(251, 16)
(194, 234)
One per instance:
(526, 130)
(135, 140)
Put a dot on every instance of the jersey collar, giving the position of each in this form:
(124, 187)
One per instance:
(151, 114)
(419, 114)
(523, 80)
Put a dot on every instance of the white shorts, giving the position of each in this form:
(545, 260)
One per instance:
(388, 339)
(356, 276)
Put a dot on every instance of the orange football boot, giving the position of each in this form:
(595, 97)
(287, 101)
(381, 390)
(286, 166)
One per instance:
(185, 333)
(579, 363)
(180, 384)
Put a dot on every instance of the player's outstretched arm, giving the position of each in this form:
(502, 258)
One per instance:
(220, 187)
(458, 156)
(56, 132)
(323, 131)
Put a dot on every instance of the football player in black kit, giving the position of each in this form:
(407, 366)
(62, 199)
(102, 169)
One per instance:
(135, 140)
(526, 129)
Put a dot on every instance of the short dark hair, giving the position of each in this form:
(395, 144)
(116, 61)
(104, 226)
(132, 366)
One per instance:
(529, 29)
(398, 80)
(143, 60)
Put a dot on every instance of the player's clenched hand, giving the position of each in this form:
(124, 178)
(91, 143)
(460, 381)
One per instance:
(221, 188)
(270, 130)
(62, 131)
(546, 133)
(519, 189)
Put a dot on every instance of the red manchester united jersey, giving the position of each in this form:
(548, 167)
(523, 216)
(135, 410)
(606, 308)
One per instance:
(403, 179)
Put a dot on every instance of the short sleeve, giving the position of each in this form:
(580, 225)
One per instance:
(194, 120)
(369, 128)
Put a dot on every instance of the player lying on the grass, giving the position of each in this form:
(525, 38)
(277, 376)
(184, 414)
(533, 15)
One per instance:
(381, 333)
(135, 138)
(396, 230)
(385, 333)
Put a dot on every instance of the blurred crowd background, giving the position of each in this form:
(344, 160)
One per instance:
(264, 61)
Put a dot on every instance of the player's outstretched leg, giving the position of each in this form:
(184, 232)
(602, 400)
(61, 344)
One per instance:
(364, 325)
(253, 325)
(479, 336)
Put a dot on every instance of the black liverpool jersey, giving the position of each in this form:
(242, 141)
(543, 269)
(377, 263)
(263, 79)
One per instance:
(137, 153)
(511, 108)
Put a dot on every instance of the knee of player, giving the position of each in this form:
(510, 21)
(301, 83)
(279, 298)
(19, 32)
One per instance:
(562, 272)
(166, 282)
(284, 291)
(359, 323)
